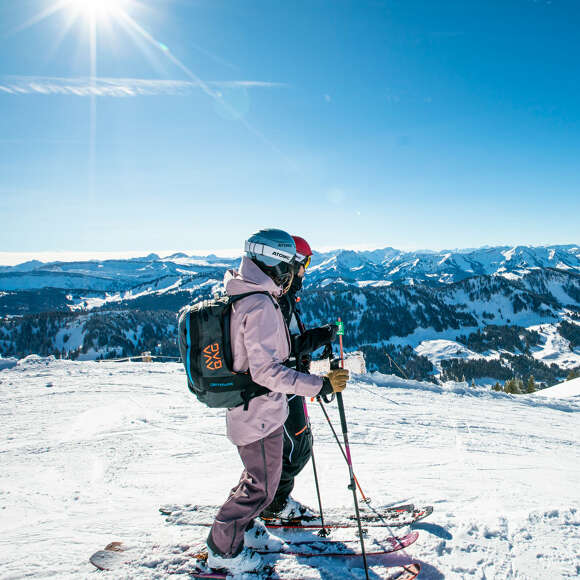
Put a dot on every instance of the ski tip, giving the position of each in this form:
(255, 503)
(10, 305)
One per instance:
(409, 572)
(405, 541)
(115, 547)
(106, 559)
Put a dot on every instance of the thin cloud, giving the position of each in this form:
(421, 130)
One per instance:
(117, 87)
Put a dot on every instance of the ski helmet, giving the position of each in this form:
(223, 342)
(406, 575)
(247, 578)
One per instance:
(303, 256)
(303, 251)
(274, 252)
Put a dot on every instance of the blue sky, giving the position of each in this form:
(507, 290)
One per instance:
(398, 123)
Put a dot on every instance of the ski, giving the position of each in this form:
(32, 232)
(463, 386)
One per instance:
(394, 517)
(331, 548)
(398, 516)
(116, 555)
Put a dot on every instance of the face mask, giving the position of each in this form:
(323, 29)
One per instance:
(296, 284)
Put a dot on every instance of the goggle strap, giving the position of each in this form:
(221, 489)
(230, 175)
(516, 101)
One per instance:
(268, 251)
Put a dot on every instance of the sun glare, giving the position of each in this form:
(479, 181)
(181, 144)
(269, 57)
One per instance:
(98, 8)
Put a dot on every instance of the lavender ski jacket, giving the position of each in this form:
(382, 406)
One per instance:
(261, 343)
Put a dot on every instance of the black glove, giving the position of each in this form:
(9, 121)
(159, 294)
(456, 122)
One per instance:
(314, 338)
(303, 363)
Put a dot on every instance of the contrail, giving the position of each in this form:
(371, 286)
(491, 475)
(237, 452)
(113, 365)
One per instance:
(116, 87)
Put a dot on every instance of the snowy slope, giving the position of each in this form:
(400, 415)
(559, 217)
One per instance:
(565, 390)
(91, 450)
(555, 348)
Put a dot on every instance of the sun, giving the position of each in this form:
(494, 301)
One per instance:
(98, 9)
(89, 10)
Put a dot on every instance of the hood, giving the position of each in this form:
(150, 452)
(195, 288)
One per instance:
(249, 278)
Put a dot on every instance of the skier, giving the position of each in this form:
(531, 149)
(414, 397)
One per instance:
(297, 434)
(260, 345)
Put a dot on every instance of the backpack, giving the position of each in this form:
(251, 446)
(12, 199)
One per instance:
(205, 346)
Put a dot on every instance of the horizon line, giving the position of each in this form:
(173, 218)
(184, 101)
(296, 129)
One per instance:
(11, 259)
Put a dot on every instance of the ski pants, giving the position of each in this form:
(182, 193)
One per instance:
(297, 450)
(262, 467)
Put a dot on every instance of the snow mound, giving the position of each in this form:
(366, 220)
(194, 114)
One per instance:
(565, 390)
(465, 389)
(34, 360)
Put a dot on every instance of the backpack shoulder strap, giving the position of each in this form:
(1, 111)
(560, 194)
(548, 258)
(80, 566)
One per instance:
(237, 297)
(226, 323)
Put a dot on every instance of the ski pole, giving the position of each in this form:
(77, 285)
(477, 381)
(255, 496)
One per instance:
(366, 499)
(323, 531)
(328, 353)
(343, 424)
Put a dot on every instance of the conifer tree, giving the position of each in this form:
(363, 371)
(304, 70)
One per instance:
(514, 386)
(531, 386)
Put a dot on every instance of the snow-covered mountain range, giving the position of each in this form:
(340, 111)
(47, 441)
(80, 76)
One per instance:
(361, 268)
(477, 308)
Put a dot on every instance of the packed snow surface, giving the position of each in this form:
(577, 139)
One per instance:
(90, 451)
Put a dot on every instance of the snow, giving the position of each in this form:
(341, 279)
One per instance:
(422, 334)
(567, 389)
(555, 349)
(91, 450)
(510, 275)
(374, 283)
(508, 254)
(438, 350)
(75, 333)
(7, 363)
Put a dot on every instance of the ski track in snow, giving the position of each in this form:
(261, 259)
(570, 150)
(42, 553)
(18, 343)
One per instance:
(90, 451)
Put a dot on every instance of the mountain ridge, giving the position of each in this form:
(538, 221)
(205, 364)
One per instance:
(374, 267)
(494, 312)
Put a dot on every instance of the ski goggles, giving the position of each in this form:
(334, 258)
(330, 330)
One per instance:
(263, 250)
(303, 260)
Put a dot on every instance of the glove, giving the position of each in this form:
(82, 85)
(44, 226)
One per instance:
(314, 338)
(336, 381)
(303, 362)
